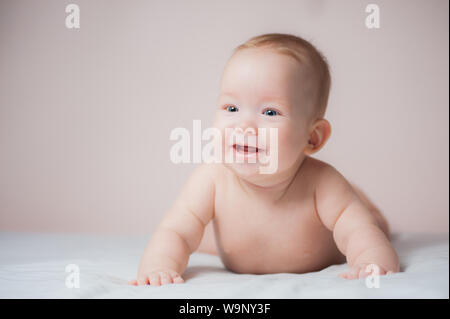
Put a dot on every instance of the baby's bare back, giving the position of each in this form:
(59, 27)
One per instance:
(256, 234)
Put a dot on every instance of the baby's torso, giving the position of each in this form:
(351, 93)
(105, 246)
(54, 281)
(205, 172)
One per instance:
(254, 235)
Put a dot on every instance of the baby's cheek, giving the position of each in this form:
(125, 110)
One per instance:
(290, 145)
(287, 138)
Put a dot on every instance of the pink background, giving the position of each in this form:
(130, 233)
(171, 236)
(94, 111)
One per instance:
(85, 115)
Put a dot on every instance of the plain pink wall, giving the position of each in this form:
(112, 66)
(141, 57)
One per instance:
(85, 115)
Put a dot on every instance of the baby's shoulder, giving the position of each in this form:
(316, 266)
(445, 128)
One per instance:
(206, 172)
(211, 174)
(322, 174)
(331, 188)
(317, 169)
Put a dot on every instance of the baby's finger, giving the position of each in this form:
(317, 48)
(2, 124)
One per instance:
(352, 273)
(382, 272)
(363, 272)
(343, 275)
(133, 282)
(165, 278)
(178, 279)
(154, 279)
(346, 275)
(173, 273)
(141, 281)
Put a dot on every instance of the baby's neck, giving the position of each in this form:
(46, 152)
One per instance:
(272, 191)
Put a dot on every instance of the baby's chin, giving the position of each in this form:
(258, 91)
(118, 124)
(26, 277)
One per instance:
(243, 164)
(246, 170)
(251, 172)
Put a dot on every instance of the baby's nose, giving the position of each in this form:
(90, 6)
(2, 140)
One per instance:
(248, 127)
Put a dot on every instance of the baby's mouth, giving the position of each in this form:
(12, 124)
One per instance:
(245, 149)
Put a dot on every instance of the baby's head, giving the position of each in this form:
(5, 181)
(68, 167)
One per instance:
(276, 81)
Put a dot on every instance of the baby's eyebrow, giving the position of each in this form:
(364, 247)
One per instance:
(228, 94)
(265, 98)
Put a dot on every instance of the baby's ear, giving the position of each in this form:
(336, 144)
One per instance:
(319, 135)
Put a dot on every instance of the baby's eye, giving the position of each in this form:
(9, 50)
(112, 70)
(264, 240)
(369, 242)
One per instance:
(270, 112)
(232, 108)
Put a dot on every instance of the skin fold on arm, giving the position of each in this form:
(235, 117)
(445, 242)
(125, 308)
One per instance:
(180, 232)
(356, 230)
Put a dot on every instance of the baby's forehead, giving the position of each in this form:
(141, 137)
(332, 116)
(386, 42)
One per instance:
(264, 56)
(264, 71)
(265, 64)
(274, 55)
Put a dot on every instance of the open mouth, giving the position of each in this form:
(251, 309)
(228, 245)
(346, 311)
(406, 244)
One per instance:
(245, 149)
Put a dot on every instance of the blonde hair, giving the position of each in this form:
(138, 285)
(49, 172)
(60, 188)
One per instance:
(306, 54)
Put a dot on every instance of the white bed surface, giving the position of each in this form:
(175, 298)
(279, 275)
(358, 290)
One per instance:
(33, 265)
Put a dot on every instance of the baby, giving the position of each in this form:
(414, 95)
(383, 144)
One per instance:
(301, 218)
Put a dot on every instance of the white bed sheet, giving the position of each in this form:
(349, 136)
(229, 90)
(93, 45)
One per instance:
(33, 265)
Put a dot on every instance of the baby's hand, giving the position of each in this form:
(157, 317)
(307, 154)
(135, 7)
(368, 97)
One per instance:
(364, 270)
(157, 277)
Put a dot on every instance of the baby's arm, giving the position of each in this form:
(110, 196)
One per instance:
(180, 232)
(355, 229)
